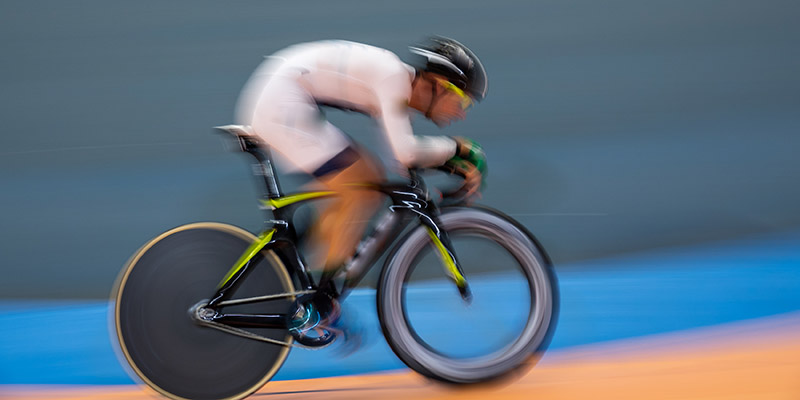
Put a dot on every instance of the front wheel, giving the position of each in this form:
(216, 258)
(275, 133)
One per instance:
(165, 346)
(507, 325)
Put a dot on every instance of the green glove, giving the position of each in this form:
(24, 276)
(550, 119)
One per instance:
(469, 163)
(472, 152)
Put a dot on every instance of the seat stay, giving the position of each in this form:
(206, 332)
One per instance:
(240, 269)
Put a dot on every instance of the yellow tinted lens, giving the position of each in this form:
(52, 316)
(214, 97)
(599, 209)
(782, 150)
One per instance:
(466, 101)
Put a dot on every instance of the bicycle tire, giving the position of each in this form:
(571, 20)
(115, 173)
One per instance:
(513, 358)
(156, 335)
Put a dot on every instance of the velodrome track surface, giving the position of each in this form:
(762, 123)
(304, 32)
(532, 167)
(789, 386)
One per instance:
(713, 322)
(745, 360)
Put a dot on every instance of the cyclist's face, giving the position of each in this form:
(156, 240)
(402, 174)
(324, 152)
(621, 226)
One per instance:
(464, 99)
(452, 103)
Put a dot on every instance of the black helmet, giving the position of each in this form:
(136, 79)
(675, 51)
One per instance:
(455, 61)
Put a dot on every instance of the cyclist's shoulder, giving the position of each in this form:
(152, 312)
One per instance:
(343, 51)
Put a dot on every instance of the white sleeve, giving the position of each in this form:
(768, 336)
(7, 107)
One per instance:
(395, 120)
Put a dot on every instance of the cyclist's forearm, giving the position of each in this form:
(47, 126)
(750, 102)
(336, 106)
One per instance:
(424, 151)
(416, 151)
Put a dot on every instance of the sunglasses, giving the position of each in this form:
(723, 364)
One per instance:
(466, 100)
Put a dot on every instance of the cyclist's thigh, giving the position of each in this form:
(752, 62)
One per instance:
(364, 169)
(287, 118)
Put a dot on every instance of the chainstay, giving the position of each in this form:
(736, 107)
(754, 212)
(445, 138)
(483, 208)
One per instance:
(253, 336)
(250, 335)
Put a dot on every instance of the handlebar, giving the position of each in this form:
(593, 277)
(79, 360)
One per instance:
(454, 196)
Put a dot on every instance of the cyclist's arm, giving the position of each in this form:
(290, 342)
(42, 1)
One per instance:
(395, 121)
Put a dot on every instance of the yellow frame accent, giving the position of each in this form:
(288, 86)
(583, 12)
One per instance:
(251, 251)
(447, 258)
(294, 198)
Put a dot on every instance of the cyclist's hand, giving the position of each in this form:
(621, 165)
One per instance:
(472, 176)
(470, 151)
(469, 163)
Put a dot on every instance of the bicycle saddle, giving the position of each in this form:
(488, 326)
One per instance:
(237, 130)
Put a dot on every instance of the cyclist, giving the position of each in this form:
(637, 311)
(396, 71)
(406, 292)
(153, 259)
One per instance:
(281, 103)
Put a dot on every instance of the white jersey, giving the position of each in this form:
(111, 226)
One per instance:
(280, 102)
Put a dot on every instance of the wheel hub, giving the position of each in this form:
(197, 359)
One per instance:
(199, 312)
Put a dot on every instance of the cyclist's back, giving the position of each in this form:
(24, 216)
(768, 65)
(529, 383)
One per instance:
(280, 102)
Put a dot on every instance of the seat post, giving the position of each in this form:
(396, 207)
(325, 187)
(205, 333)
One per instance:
(245, 138)
(264, 168)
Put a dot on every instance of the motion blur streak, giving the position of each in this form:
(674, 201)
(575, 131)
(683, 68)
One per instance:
(742, 360)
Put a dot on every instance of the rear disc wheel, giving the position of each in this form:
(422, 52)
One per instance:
(160, 338)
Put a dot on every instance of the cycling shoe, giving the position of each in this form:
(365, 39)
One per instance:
(307, 321)
(348, 329)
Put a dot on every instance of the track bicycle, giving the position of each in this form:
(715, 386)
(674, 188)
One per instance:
(210, 311)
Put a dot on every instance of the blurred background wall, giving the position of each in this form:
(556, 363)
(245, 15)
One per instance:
(611, 127)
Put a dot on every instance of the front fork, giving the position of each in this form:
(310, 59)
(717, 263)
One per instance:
(414, 199)
(446, 252)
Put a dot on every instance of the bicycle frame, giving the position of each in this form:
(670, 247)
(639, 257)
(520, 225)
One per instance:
(408, 200)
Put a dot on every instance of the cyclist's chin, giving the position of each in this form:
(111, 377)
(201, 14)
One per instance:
(442, 122)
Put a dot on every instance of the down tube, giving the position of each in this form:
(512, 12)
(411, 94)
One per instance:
(372, 248)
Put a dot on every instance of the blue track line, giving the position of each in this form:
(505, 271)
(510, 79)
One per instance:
(67, 342)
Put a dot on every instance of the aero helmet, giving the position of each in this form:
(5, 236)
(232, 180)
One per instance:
(454, 61)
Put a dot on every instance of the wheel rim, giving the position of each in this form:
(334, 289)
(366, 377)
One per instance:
(419, 355)
(481, 330)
